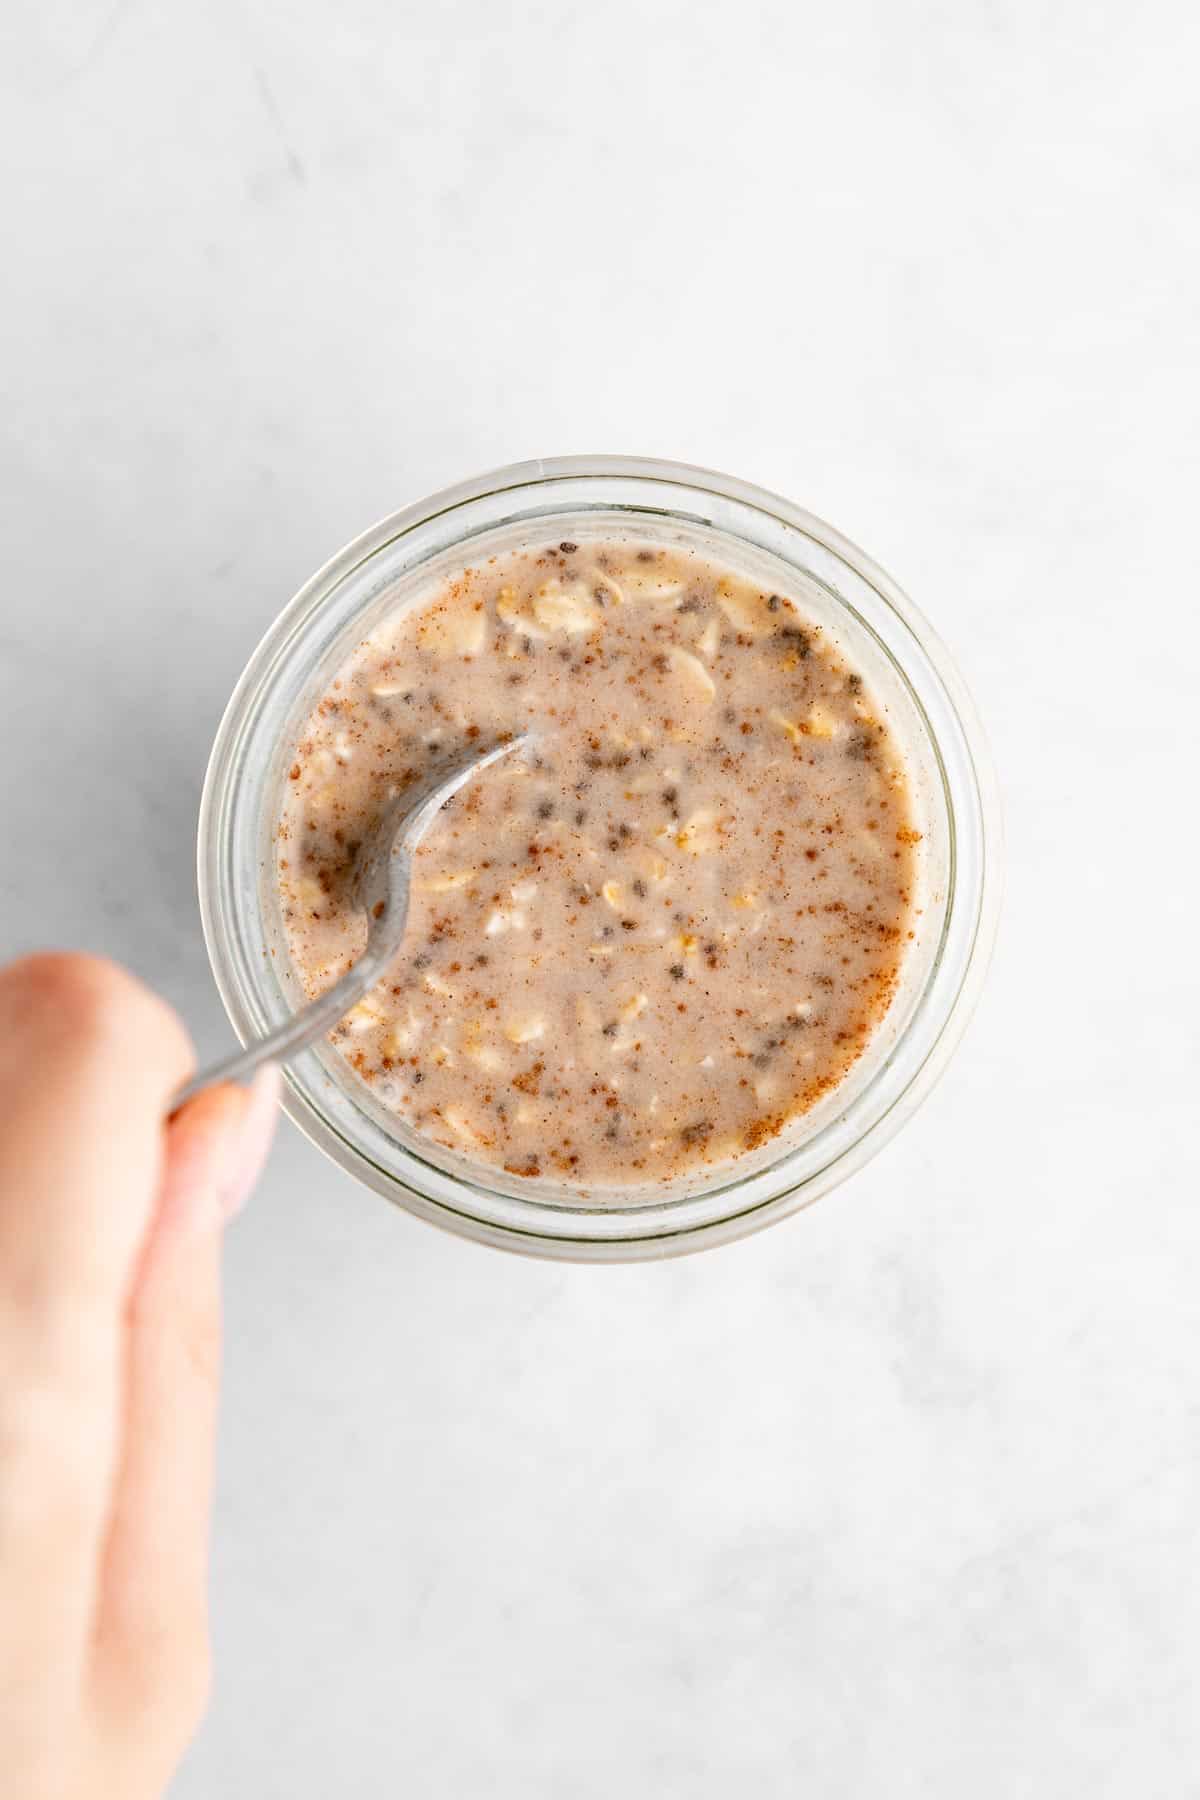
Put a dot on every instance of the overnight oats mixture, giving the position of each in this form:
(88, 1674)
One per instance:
(655, 936)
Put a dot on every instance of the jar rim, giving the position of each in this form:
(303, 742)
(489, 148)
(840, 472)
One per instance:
(578, 1232)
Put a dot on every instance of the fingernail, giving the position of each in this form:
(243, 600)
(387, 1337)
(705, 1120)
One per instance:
(249, 1151)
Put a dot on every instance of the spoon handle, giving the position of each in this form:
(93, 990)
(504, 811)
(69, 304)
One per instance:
(294, 1034)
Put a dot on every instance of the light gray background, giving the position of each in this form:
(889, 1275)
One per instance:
(900, 1498)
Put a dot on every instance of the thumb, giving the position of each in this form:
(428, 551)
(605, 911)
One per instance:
(151, 1626)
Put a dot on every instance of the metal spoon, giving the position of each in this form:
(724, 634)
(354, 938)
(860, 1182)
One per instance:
(381, 883)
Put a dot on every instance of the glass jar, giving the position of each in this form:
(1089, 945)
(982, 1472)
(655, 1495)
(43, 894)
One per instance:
(865, 615)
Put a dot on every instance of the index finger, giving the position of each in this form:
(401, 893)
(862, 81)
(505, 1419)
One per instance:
(88, 1061)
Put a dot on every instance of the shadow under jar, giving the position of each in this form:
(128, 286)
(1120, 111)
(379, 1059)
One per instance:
(866, 626)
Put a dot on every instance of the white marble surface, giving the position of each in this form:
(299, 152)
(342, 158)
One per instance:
(902, 1497)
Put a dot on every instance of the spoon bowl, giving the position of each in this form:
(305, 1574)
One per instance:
(382, 880)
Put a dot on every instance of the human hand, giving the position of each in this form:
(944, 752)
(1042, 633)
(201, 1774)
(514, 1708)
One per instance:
(110, 1229)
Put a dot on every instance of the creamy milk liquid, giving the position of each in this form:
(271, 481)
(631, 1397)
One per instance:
(659, 935)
